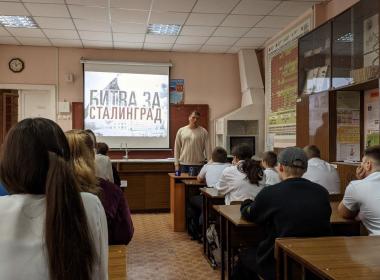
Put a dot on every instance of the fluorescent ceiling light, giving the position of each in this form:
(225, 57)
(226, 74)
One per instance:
(164, 29)
(18, 21)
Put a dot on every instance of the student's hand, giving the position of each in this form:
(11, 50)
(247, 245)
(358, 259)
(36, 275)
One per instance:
(176, 167)
(360, 173)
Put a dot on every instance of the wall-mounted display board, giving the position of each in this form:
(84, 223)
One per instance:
(345, 52)
(282, 119)
(281, 86)
(371, 118)
(348, 126)
(315, 60)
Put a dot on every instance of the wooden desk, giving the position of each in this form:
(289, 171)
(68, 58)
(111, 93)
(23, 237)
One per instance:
(192, 187)
(148, 183)
(211, 197)
(338, 258)
(177, 200)
(117, 262)
(235, 231)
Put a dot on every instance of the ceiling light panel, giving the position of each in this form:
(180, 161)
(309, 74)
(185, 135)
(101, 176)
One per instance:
(164, 29)
(18, 21)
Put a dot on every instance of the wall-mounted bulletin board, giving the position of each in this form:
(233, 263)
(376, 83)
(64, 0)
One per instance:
(281, 87)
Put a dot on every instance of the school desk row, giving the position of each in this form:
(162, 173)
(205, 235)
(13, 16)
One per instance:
(235, 232)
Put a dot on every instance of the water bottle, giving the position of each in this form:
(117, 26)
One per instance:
(126, 151)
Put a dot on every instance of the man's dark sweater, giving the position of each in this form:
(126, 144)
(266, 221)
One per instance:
(295, 207)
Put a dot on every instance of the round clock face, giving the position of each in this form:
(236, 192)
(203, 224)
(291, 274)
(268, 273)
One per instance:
(16, 65)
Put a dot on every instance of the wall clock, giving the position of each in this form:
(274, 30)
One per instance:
(16, 65)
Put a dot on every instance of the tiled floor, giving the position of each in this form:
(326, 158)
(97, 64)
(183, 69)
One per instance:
(156, 252)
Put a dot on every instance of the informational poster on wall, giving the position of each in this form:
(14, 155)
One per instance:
(371, 118)
(281, 83)
(176, 91)
(282, 118)
(348, 126)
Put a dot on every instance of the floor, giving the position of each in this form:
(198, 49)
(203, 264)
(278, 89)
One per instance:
(156, 252)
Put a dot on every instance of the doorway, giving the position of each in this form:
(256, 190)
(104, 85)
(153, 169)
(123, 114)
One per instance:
(18, 102)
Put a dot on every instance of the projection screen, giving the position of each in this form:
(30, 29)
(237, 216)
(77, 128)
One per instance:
(127, 103)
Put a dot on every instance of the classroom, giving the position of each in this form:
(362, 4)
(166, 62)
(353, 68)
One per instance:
(189, 139)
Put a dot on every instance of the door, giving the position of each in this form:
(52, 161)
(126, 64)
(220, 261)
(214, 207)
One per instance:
(37, 103)
(9, 111)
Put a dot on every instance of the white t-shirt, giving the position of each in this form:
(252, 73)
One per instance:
(103, 167)
(324, 174)
(236, 186)
(364, 196)
(22, 254)
(271, 177)
(212, 172)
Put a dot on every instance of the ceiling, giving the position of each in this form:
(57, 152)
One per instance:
(217, 26)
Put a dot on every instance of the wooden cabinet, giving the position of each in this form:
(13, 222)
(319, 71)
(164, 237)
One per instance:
(339, 60)
(148, 184)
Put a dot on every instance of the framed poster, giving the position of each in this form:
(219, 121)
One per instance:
(176, 91)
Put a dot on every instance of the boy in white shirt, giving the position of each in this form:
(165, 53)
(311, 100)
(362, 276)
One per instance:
(320, 171)
(211, 172)
(362, 196)
(269, 162)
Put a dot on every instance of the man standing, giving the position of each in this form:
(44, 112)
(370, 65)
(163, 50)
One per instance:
(362, 196)
(295, 207)
(320, 171)
(192, 146)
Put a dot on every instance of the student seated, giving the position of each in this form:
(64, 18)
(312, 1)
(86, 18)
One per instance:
(269, 163)
(362, 197)
(210, 173)
(242, 180)
(103, 165)
(295, 207)
(102, 149)
(69, 241)
(120, 227)
(320, 171)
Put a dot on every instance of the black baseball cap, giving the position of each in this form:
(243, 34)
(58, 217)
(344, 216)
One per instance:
(293, 157)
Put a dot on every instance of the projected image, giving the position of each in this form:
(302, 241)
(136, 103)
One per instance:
(126, 104)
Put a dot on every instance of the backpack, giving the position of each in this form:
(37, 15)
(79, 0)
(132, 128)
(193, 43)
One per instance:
(213, 244)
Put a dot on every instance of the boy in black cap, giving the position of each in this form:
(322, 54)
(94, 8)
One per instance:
(294, 207)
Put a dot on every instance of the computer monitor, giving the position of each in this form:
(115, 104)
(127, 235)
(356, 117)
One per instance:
(249, 140)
